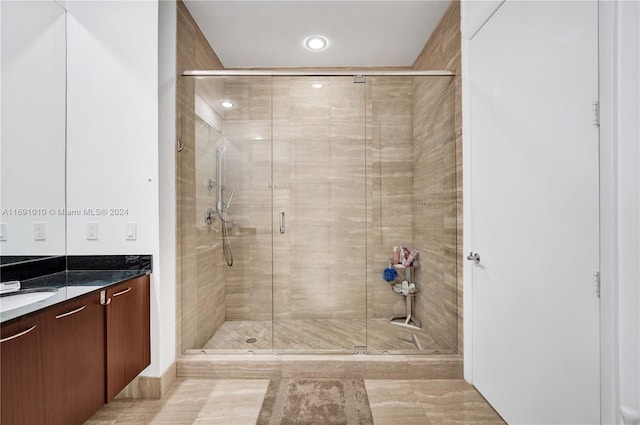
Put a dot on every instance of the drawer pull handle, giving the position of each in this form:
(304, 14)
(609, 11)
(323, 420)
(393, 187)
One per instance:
(18, 335)
(122, 292)
(77, 310)
(103, 298)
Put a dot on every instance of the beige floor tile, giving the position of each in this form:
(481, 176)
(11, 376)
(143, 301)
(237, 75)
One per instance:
(181, 405)
(109, 414)
(233, 402)
(453, 402)
(238, 402)
(393, 403)
(160, 412)
(191, 401)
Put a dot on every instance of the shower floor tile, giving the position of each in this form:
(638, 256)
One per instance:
(321, 335)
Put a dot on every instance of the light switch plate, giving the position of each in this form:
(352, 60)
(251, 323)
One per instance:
(131, 232)
(92, 231)
(39, 232)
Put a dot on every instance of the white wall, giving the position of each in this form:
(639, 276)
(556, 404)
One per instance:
(113, 150)
(112, 133)
(166, 314)
(33, 126)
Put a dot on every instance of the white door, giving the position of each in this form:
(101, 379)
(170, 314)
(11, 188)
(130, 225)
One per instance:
(534, 208)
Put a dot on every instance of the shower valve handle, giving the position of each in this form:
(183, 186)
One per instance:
(209, 216)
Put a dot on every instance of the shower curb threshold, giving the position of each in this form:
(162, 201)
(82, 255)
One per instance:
(261, 366)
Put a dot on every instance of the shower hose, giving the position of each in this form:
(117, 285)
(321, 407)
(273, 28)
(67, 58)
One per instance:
(226, 244)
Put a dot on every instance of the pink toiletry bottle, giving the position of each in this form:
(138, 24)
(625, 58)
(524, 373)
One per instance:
(396, 254)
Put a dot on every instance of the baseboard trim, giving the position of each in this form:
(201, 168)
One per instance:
(149, 387)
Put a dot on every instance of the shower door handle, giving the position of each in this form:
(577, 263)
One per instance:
(283, 226)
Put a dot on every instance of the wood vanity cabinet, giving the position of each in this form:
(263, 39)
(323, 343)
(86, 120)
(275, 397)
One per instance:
(74, 356)
(59, 366)
(22, 372)
(128, 333)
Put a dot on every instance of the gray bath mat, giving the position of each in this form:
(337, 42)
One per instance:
(315, 401)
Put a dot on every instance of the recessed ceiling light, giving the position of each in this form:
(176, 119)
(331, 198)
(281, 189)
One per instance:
(227, 104)
(316, 42)
(316, 85)
(259, 138)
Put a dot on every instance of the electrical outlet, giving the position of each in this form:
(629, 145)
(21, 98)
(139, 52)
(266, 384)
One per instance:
(131, 231)
(92, 231)
(3, 231)
(39, 232)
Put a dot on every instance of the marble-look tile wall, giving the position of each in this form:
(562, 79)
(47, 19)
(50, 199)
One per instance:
(333, 245)
(319, 182)
(199, 277)
(434, 207)
(348, 164)
(389, 185)
(443, 52)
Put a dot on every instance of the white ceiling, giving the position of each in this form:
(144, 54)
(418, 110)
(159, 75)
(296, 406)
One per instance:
(270, 34)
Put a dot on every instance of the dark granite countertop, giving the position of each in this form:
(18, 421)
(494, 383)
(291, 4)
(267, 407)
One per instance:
(70, 284)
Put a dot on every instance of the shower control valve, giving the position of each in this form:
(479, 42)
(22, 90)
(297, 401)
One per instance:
(209, 216)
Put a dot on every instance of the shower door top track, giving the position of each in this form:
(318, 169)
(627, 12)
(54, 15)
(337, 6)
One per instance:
(247, 73)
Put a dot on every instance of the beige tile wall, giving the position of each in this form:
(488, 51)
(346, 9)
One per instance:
(434, 207)
(319, 171)
(319, 181)
(199, 304)
(389, 185)
(349, 189)
(442, 51)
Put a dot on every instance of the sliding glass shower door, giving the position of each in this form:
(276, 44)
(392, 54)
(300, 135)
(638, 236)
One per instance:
(319, 240)
(293, 192)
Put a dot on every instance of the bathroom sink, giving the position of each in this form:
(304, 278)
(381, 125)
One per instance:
(17, 299)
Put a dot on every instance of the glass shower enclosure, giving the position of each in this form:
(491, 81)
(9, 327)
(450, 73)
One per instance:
(293, 191)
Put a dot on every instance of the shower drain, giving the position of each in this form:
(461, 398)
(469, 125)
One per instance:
(252, 340)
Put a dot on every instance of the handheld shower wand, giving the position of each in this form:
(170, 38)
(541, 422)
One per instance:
(226, 244)
(222, 208)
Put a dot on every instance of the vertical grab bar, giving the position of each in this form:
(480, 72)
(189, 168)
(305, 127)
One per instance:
(219, 160)
(283, 227)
